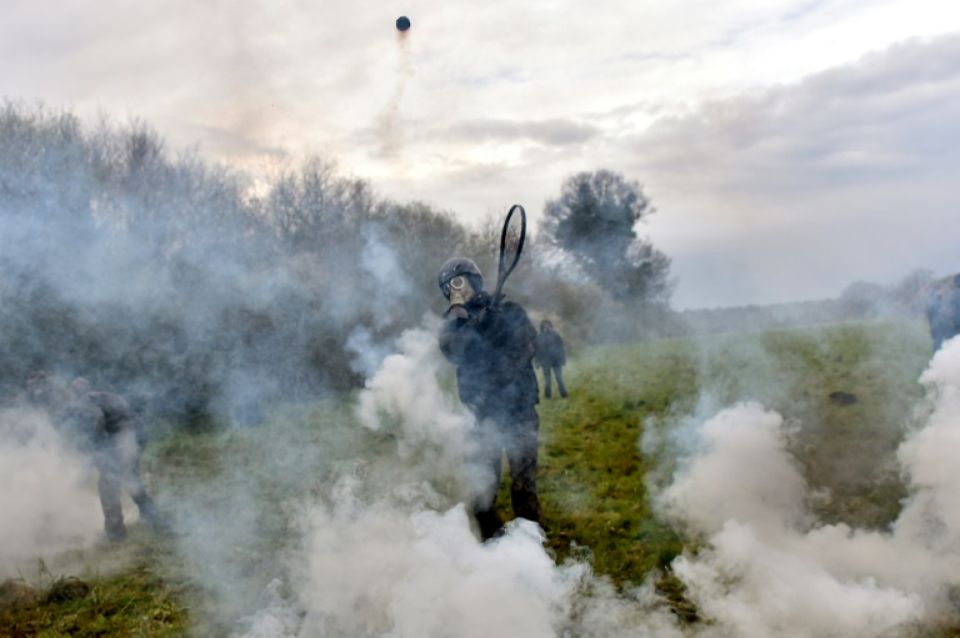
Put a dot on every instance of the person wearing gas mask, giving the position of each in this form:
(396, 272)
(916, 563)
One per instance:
(492, 343)
(103, 424)
(551, 358)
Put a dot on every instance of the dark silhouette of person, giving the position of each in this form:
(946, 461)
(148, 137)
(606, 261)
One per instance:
(103, 423)
(943, 309)
(551, 357)
(492, 343)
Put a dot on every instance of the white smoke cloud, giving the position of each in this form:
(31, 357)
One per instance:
(389, 548)
(767, 568)
(405, 396)
(380, 260)
(714, 487)
(394, 568)
(367, 353)
(276, 619)
(388, 286)
(380, 571)
(401, 559)
(47, 498)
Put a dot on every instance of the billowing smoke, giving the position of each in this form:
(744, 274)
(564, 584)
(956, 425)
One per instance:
(166, 280)
(389, 548)
(163, 278)
(767, 567)
(388, 289)
(404, 398)
(48, 496)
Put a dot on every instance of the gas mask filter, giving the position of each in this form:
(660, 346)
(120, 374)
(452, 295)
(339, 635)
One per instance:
(459, 292)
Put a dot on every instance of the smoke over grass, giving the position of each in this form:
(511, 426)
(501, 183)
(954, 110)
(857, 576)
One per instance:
(390, 550)
(301, 310)
(211, 306)
(167, 280)
(48, 496)
(768, 567)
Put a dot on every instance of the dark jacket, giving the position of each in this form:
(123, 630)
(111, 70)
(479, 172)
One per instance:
(493, 350)
(550, 352)
(943, 309)
(101, 416)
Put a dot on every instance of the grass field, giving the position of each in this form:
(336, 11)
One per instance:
(850, 390)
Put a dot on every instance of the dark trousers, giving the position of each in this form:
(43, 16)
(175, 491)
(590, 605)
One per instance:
(118, 462)
(558, 372)
(519, 441)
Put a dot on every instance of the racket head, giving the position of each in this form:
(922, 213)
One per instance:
(512, 238)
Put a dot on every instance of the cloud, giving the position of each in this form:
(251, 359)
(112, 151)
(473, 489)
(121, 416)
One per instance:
(793, 191)
(555, 132)
(230, 143)
(528, 91)
(888, 112)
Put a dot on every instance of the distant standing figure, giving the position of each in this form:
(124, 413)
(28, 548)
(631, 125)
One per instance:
(551, 357)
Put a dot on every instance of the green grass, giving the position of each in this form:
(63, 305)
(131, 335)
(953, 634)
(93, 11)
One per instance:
(135, 601)
(593, 475)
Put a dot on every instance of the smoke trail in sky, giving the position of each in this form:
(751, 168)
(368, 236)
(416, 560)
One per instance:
(388, 124)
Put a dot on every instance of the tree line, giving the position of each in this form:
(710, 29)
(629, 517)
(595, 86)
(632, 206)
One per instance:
(200, 293)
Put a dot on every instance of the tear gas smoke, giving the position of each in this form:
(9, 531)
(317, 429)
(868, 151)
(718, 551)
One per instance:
(160, 278)
(388, 126)
(768, 568)
(151, 271)
(48, 496)
(380, 573)
(389, 549)
(367, 354)
(387, 291)
(381, 262)
(405, 398)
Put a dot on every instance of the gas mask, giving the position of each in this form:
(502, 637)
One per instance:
(460, 281)
(459, 291)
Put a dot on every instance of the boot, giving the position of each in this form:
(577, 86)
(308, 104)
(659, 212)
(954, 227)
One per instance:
(490, 523)
(116, 533)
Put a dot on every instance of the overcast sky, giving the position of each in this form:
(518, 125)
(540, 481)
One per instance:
(790, 147)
